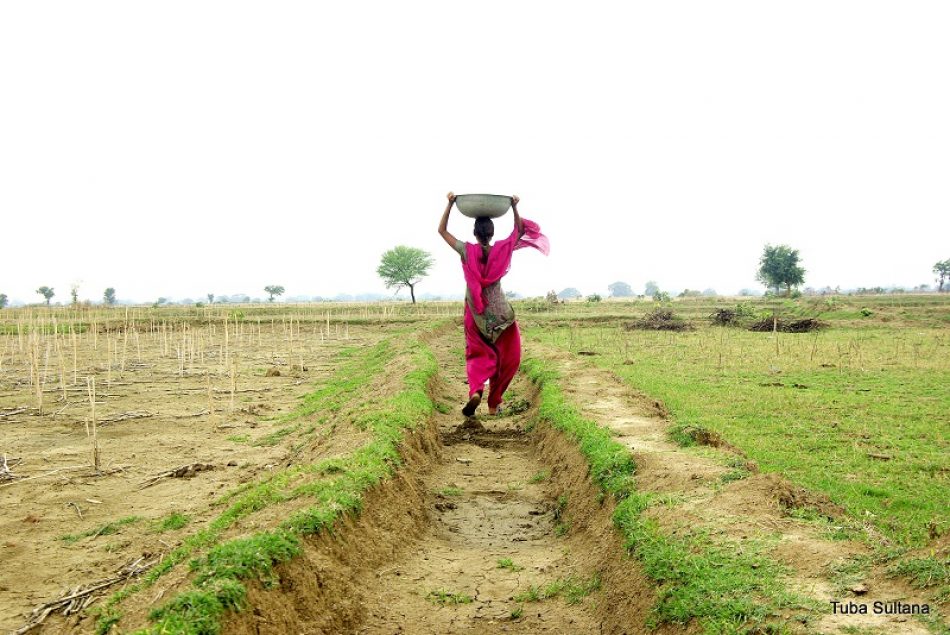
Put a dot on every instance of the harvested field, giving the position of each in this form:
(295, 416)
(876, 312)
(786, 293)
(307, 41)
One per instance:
(351, 496)
(155, 391)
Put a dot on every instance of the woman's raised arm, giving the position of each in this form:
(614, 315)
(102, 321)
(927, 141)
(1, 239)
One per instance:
(514, 208)
(444, 223)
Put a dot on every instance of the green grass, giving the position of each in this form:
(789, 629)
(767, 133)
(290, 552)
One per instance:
(869, 429)
(728, 587)
(172, 522)
(572, 589)
(927, 572)
(338, 490)
(451, 490)
(540, 477)
(859, 413)
(275, 437)
(508, 563)
(448, 598)
(239, 438)
(847, 573)
(105, 530)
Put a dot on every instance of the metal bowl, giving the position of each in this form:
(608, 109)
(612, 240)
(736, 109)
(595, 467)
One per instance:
(476, 205)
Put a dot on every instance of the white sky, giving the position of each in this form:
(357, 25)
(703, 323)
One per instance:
(179, 148)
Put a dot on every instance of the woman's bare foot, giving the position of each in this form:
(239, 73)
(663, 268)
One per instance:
(493, 411)
(473, 401)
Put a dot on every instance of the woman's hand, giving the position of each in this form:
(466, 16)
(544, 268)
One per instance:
(519, 225)
(444, 223)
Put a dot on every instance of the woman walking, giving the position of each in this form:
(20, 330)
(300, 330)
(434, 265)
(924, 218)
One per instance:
(492, 338)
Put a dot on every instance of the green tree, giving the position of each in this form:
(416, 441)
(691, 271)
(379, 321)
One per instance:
(404, 266)
(46, 292)
(210, 298)
(651, 288)
(778, 267)
(109, 296)
(3, 300)
(272, 290)
(620, 290)
(942, 269)
(74, 292)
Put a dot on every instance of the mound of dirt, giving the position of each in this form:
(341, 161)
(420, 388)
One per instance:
(804, 325)
(659, 320)
(702, 436)
(791, 496)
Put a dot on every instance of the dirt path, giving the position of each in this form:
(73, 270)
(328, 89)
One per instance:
(490, 500)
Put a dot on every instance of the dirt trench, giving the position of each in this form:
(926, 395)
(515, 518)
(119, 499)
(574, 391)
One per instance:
(483, 516)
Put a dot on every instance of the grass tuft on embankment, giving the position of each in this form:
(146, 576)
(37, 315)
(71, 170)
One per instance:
(729, 588)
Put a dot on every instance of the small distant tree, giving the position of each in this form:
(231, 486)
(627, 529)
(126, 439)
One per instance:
(273, 289)
(404, 266)
(46, 292)
(620, 290)
(551, 297)
(569, 293)
(74, 292)
(942, 269)
(109, 296)
(651, 288)
(661, 296)
(3, 300)
(210, 298)
(710, 293)
(778, 267)
(594, 297)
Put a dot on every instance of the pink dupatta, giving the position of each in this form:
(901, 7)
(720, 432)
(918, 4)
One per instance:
(479, 275)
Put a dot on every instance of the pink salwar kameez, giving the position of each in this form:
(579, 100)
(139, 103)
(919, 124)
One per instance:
(492, 338)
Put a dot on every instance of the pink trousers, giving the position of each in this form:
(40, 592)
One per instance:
(496, 363)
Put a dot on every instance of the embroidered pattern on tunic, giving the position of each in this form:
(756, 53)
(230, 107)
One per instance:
(498, 314)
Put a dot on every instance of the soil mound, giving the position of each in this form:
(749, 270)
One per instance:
(791, 496)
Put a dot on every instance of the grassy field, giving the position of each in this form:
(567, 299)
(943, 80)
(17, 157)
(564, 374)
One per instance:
(859, 410)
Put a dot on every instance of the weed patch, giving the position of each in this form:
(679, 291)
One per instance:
(443, 597)
(105, 530)
(172, 522)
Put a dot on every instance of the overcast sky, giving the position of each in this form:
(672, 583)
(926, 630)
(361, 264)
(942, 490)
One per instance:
(180, 148)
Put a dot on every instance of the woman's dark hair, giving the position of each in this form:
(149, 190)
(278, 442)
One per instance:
(484, 229)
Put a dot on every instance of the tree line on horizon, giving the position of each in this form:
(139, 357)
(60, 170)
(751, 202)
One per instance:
(779, 269)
